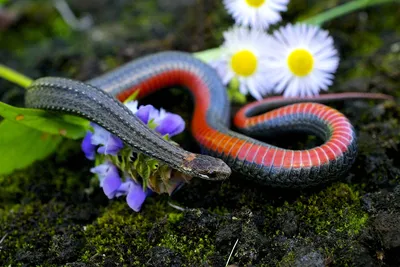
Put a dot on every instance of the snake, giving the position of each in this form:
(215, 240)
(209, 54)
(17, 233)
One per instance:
(222, 149)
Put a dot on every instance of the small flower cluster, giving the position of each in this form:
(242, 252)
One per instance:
(116, 163)
(296, 60)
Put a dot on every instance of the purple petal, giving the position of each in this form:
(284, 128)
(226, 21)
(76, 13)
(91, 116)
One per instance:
(104, 170)
(124, 188)
(111, 184)
(100, 135)
(159, 116)
(87, 147)
(136, 197)
(144, 113)
(112, 146)
(171, 124)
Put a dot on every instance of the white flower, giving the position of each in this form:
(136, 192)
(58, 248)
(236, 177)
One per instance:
(256, 13)
(302, 60)
(243, 57)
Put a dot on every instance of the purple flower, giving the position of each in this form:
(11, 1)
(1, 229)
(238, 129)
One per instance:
(106, 143)
(100, 135)
(103, 170)
(167, 123)
(87, 147)
(146, 113)
(109, 144)
(135, 194)
(112, 147)
(123, 190)
(109, 178)
(113, 186)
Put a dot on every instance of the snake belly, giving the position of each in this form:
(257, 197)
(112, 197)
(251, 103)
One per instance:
(210, 123)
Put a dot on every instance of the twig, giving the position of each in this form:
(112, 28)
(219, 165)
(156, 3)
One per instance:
(230, 255)
(2, 239)
(176, 206)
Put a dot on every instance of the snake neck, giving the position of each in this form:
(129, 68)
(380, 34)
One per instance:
(57, 94)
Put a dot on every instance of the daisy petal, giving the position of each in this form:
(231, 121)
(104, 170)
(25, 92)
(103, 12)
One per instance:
(244, 59)
(259, 14)
(301, 60)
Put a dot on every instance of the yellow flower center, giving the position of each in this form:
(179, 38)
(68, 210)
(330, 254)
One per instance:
(255, 3)
(300, 62)
(244, 63)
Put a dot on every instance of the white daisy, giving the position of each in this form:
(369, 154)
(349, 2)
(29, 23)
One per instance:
(256, 13)
(302, 60)
(243, 57)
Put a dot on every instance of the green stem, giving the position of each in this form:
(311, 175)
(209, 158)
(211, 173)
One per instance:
(14, 77)
(343, 9)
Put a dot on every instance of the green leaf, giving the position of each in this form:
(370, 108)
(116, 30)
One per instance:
(58, 124)
(20, 146)
(165, 173)
(152, 163)
(234, 93)
(342, 10)
(209, 55)
(141, 167)
(132, 97)
(152, 125)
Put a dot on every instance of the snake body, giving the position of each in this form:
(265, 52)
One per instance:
(99, 101)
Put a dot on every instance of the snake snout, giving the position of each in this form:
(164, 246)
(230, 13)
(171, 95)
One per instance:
(207, 167)
(220, 171)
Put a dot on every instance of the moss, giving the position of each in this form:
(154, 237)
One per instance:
(174, 217)
(119, 233)
(324, 224)
(196, 250)
(390, 63)
(365, 44)
(42, 233)
(39, 181)
(335, 209)
(42, 221)
(219, 210)
(288, 259)
(122, 236)
(191, 236)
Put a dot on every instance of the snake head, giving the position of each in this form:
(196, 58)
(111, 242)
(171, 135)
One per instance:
(206, 167)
